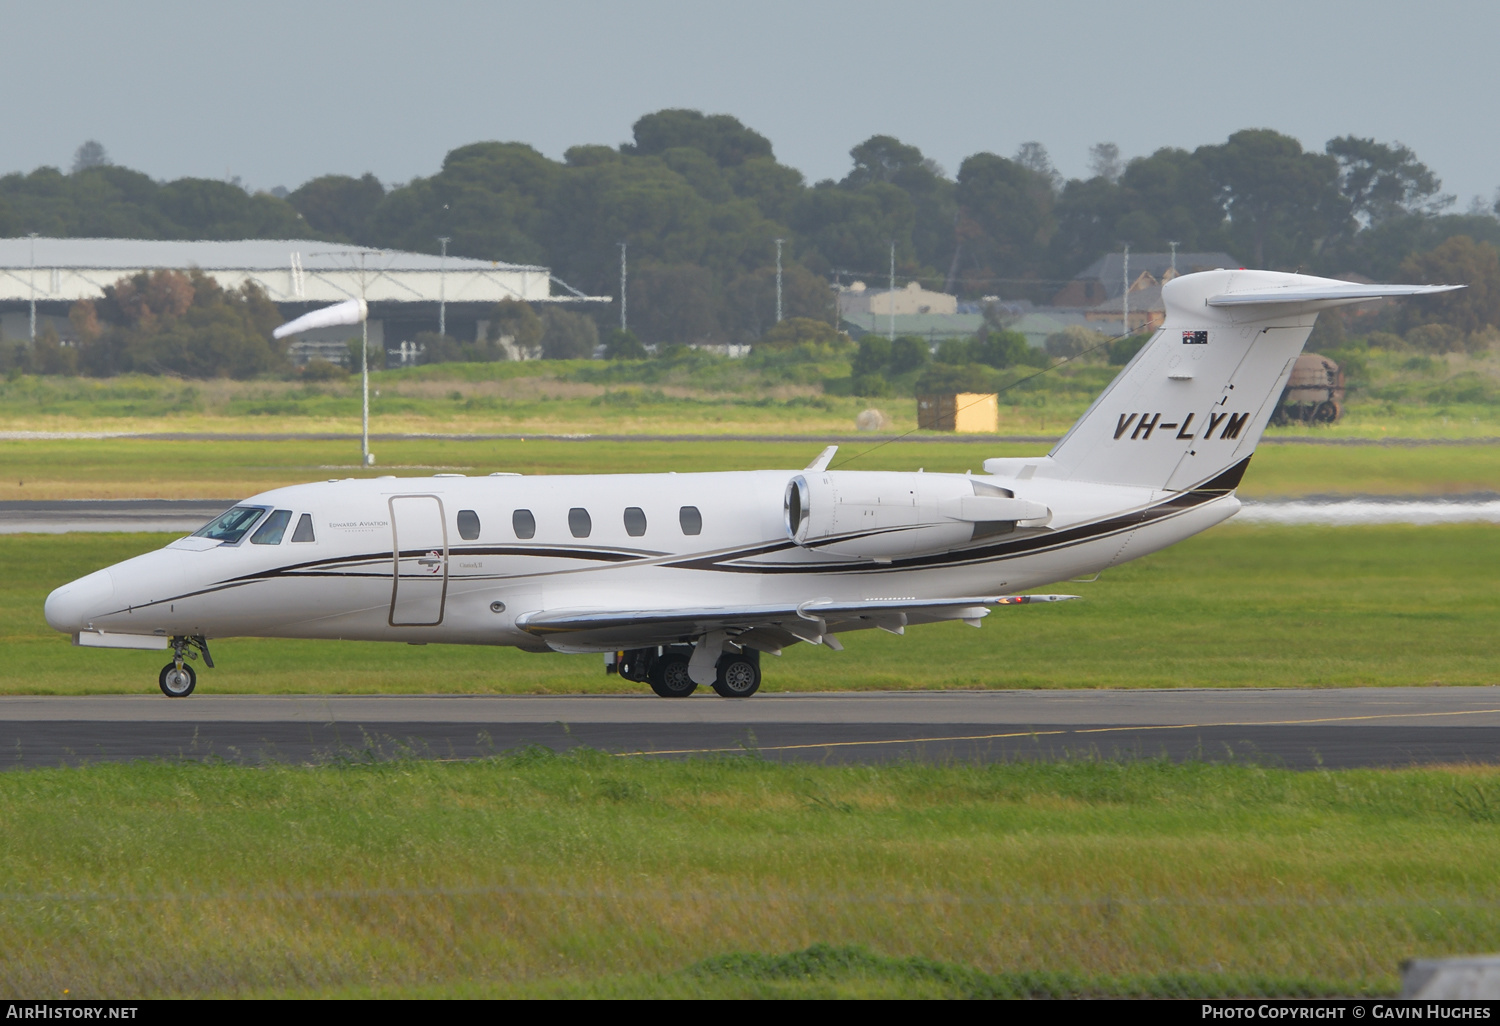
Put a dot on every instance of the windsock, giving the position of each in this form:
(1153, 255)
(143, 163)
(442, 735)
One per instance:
(350, 311)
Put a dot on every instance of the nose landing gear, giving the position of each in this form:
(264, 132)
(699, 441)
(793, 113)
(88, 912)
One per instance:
(177, 678)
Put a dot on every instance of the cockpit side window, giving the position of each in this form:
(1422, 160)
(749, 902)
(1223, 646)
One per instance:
(304, 531)
(270, 532)
(229, 527)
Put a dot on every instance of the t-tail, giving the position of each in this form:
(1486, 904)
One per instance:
(1188, 411)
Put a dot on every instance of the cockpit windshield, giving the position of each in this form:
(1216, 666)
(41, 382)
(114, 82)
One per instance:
(231, 526)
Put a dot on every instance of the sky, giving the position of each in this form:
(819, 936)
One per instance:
(277, 92)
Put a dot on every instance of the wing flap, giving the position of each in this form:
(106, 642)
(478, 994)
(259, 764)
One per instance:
(774, 625)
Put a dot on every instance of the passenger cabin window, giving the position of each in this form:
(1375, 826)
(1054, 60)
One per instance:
(523, 523)
(271, 531)
(231, 526)
(579, 522)
(304, 531)
(635, 521)
(468, 524)
(690, 519)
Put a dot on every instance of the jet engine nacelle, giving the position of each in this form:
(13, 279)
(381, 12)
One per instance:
(882, 516)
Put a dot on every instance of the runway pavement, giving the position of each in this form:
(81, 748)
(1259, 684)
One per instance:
(1294, 728)
(64, 516)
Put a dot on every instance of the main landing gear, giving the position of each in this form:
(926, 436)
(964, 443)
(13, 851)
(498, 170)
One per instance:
(737, 674)
(177, 679)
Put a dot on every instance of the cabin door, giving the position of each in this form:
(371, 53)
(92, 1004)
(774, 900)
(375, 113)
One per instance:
(420, 545)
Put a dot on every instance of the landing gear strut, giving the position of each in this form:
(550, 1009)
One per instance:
(177, 678)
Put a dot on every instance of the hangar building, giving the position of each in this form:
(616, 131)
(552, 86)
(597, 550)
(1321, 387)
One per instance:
(405, 290)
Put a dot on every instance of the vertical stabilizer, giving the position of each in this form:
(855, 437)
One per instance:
(1196, 398)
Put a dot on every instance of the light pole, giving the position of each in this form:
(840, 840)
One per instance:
(1125, 295)
(32, 278)
(366, 457)
(623, 328)
(1174, 246)
(778, 279)
(891, 295)
(443, 285)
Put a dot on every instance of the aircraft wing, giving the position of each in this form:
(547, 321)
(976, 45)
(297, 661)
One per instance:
(768, 628)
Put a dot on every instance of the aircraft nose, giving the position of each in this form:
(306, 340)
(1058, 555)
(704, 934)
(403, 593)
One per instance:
(70, 607)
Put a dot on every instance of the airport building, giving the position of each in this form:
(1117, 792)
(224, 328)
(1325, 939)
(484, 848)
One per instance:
(408, 293)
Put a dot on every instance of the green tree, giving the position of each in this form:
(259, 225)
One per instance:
(1382, 180)
(722, 137)
(1075, 341)
(883, 160)
(623, 345)
(492, 199)
(1459, 261)
(515, 321)
(1283, 203)
(873, 357)
(1005, 349)
(675, 304)
(166, 322)
(567, 335)
(339, 206)
(50, 356)
(1008, 209)
(800, 331)
(750, 305)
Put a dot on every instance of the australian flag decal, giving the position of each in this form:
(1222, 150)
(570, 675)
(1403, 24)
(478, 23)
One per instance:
(1195, 338)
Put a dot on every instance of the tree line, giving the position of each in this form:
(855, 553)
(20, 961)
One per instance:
(699, 200)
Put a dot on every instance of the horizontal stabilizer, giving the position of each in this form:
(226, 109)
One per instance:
(1325, 291)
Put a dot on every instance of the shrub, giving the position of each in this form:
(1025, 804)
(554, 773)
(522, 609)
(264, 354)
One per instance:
(319, 369)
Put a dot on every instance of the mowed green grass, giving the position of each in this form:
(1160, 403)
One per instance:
(1239, 606)
(119, 468)
(540, 875)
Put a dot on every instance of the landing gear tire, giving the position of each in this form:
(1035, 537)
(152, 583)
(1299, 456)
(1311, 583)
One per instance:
(177, 682)
(738, 676)
(669, 677)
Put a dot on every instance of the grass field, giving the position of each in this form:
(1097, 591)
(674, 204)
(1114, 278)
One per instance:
(1450, 396)
(119, 468)
(539, 875)
(1240, 606)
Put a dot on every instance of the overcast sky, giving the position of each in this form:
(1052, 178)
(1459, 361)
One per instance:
(278, 92)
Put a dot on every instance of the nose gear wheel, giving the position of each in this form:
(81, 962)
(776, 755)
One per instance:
(177, 681)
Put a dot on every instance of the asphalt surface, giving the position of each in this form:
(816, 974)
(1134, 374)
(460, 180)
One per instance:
(1302, 729)
(63, 516)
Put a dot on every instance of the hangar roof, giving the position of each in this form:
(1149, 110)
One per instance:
(290, 270)
(239, 254)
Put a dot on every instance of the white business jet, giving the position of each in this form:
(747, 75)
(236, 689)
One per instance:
(683, 580)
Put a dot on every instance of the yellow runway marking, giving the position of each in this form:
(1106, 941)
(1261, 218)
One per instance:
(1045, 733)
